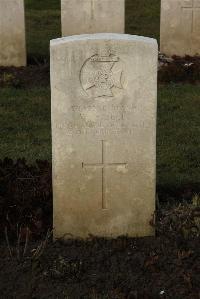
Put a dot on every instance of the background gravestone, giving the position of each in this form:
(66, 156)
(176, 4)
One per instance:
(92, 16)
(104, 134)
(12, 33)
(180, 27)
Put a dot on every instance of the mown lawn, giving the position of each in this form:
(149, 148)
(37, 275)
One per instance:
(178, 134)
(42, 24)
(25, 123)
(143, 17)
(25, 112)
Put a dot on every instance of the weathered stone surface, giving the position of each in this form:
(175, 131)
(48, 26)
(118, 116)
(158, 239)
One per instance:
(103, 134)
(180, 27)
(92, 16)
(12, 33)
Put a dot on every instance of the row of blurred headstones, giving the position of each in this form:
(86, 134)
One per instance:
(180, 25)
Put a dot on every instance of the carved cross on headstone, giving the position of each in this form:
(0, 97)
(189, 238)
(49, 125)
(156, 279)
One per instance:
(103, 165)
(193, 6)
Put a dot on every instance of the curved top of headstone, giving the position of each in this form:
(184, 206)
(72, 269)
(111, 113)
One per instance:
(103, 36)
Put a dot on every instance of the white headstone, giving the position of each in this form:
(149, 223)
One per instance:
(12, 33)
(180, 27)
(104, 96)
(92, 16)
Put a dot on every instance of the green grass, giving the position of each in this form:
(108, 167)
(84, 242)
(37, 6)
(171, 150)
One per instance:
(43, 23)
(25, 123)
(25, 130)
(42, 4)
(178, 131)
(143, 17)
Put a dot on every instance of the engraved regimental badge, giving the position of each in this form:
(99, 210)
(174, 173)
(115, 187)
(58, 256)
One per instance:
(102, 76)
